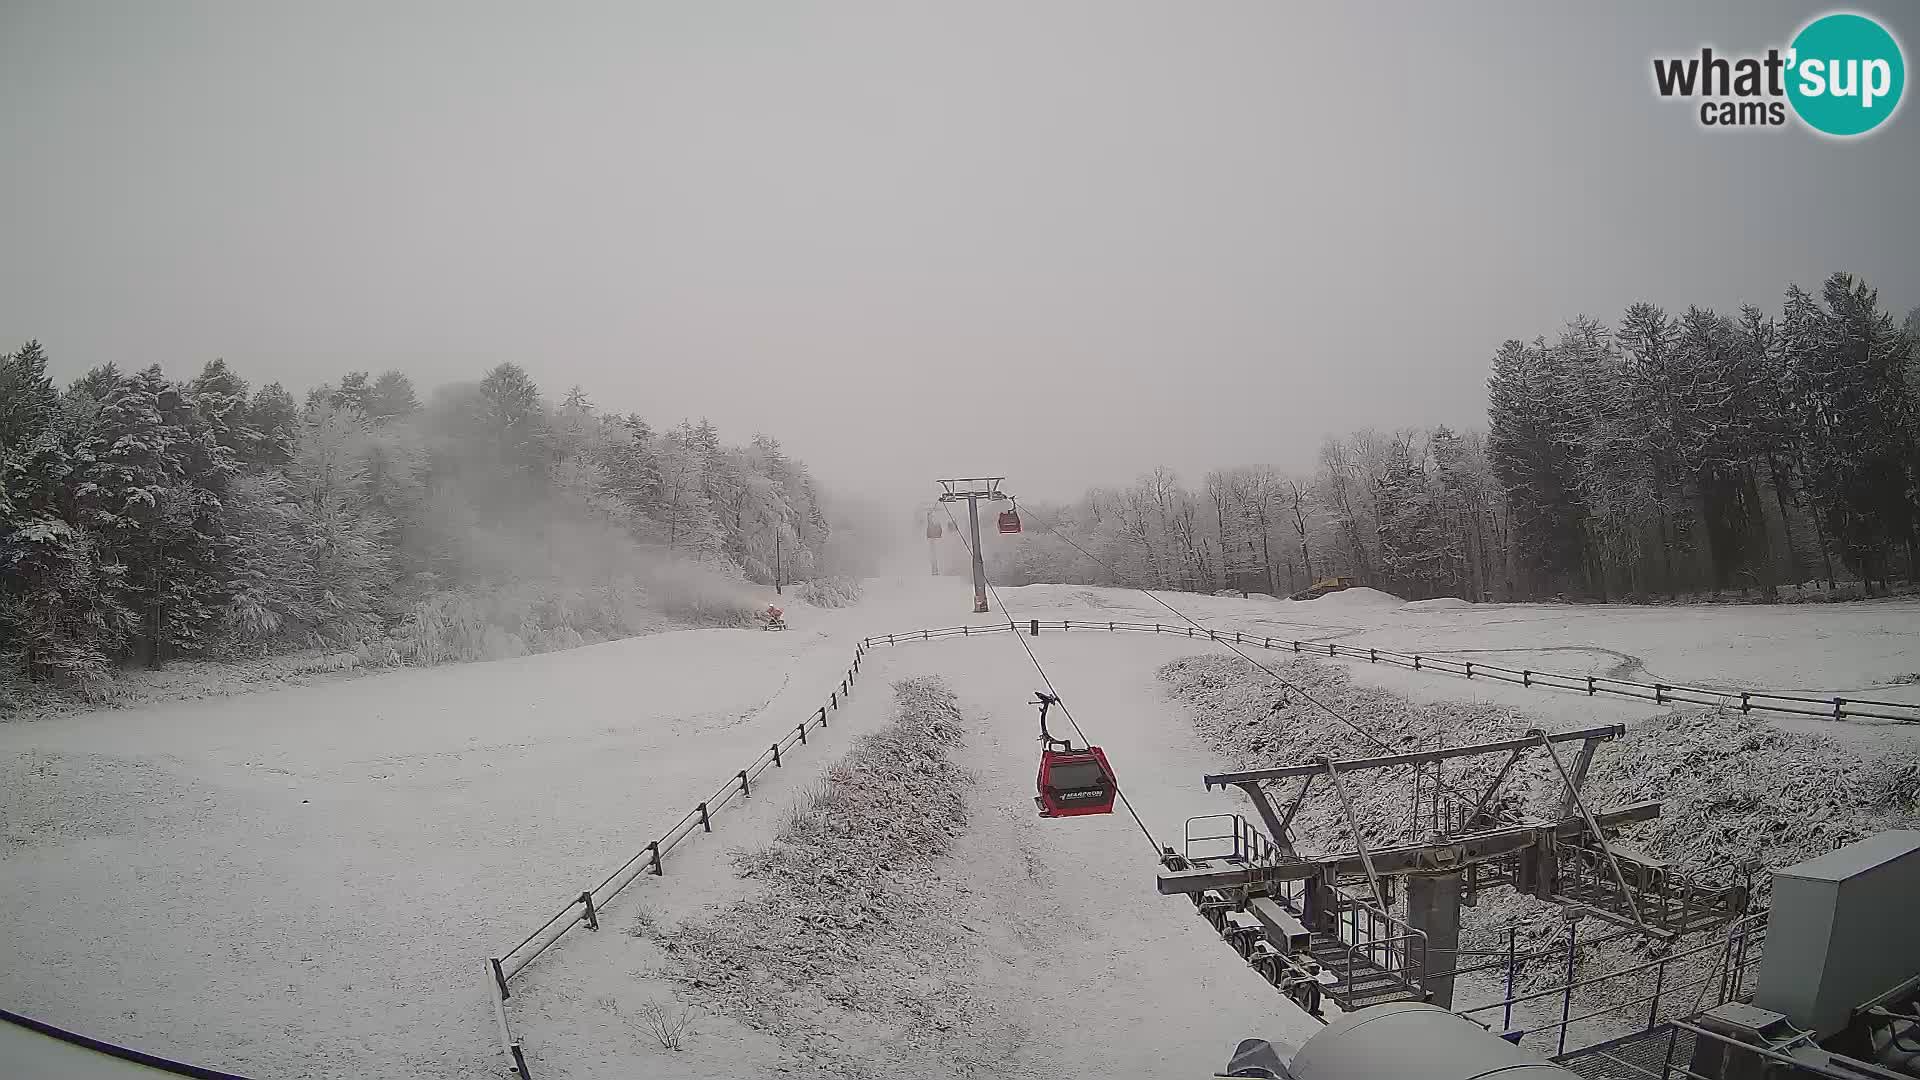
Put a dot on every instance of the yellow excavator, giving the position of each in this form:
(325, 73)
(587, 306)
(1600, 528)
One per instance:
(1323, 587)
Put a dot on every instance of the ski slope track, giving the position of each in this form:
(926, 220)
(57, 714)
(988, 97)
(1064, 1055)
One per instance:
(304, 882)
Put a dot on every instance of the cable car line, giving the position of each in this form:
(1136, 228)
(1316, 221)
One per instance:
(1276, 676)
(1054, 693)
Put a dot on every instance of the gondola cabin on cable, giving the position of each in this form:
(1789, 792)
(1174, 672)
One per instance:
(1010, 520)
(1071, 782)
(933, 529)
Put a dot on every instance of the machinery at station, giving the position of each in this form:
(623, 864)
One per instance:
(1837, 992)
(1323, 925)
(1837, 998)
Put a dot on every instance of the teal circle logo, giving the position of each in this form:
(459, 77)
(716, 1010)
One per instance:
(1846, 74)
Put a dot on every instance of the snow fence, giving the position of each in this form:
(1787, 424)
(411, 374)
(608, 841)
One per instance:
(584, 909)
(1746, 701)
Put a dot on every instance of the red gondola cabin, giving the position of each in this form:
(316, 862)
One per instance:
(1075, 782)
(1071, 782)
(1009, 521)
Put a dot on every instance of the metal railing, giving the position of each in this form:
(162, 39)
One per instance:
(1667, 1052)
(1247, 844)
(1390, 945)
(1721, 970)
(1747, 701)
(1663, 898)
(584, 909)
(1384, 944)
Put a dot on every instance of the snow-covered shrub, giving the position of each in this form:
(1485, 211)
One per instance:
(830, 592)
(691, 593)
(844, 885)
(668, 1027)
(545, 615)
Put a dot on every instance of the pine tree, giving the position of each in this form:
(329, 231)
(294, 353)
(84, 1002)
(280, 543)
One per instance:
(511, 420)
(54, 605)
(1725, 438)
(98, 383)
(354, 394)
(1846, 370)
(1532, 436)
(221, 398)
(144, 477)
(275, 416)
(391, 398)
(27, 397)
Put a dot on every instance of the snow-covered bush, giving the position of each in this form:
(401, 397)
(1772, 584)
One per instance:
(832, 592)
(843, 892)
(544, 615)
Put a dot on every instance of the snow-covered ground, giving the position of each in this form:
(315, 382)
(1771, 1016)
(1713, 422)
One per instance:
(302, 882)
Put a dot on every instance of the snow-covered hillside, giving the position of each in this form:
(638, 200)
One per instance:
(303, 882)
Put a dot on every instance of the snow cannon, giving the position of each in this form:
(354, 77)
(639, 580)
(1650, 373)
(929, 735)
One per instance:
(1404, 1040)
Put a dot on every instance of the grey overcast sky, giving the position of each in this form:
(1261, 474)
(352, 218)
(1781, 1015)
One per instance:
(1059, 241)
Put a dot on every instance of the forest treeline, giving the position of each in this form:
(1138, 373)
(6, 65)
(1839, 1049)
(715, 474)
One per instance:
(1661, 456)
(144, 518)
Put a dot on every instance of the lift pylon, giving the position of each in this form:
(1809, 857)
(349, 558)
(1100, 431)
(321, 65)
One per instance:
(971, 490)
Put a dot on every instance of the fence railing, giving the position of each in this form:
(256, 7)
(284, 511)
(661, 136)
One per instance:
(1245, 843)
(1721, 970)
(1663, 898)
(1747, 701)
(1391, 946)
(1670, 1051)
(584, 909)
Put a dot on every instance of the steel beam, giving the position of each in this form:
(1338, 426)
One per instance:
(1476, 847)
(1580, 766)
(1610, 731)
(1433, 908)
(1593, 826)
(1275, 824)
(1282, 930)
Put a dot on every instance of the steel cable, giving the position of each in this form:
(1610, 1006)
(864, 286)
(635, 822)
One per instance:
(1037, 666)
(1276, 676)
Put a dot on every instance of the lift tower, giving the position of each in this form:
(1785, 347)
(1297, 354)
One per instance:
(972, 489)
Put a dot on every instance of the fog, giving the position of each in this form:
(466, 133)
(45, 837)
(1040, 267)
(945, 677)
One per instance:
(1060, 242)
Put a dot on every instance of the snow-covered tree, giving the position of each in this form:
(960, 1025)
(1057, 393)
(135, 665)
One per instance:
(1533, 445)
(391, 397)
(146, 479)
